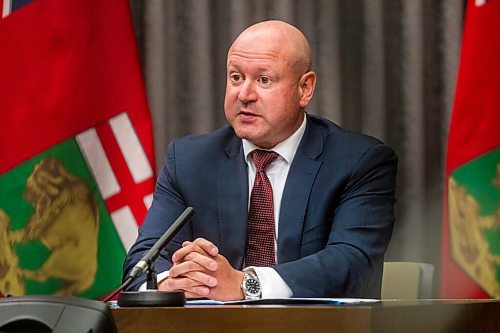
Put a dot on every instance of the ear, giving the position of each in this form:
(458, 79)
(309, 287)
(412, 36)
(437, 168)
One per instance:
(307, 83)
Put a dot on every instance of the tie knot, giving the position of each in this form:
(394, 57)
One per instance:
(262, 158)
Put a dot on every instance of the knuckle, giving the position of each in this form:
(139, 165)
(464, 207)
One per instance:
(170, 284)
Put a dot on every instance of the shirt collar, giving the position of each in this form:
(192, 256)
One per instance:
(286, 148)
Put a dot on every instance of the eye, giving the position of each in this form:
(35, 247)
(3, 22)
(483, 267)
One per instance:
(264, 80)
(235, 77)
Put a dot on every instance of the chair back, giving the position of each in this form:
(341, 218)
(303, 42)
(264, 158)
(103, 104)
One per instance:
(407, 280)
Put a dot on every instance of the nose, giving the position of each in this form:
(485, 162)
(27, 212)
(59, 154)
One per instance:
(247, 92)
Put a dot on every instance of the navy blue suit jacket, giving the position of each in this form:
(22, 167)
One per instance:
(336, 214)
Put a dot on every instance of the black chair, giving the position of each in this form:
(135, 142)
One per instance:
(41, 314)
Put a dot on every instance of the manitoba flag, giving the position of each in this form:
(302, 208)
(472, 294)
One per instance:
(76, 147)
(471, 230)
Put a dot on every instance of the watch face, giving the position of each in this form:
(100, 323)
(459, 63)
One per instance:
(252, 286)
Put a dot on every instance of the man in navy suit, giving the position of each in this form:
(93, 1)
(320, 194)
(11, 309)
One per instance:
(333, 190)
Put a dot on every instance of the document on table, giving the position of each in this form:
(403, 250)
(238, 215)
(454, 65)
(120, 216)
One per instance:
(288, 301)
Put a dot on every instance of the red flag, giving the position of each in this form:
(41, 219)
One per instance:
(74, 121)
(471, 229)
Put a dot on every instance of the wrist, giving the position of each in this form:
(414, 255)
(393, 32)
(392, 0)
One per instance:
(241, 294)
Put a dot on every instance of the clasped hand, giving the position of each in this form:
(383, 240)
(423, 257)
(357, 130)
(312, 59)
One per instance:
(200, 271)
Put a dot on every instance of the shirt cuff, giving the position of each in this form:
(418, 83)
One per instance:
(273, 286)
(160, 277)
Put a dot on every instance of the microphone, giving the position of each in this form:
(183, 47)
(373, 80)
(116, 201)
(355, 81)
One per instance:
(154, 252)
(153, 297)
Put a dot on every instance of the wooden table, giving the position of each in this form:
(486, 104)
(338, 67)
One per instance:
(387, 316)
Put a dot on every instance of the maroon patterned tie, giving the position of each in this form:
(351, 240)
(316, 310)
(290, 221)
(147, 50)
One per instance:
(260, 237)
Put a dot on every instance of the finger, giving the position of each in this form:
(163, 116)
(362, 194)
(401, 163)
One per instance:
(181, 283)
(202, 279)
(195, 272)
(204, 244)
(202, 260)
(186, 243)
(191, 295)
(194, 295)
(207, 246)
(188, 247)
(185, 267)
(198, 291)
(184, 284)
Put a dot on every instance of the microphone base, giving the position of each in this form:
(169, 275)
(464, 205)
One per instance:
(151, 298)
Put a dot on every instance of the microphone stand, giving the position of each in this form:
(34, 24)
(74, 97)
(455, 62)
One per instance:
(152, 296)
(151, 282)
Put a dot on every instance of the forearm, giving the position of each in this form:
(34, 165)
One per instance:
(336, 271)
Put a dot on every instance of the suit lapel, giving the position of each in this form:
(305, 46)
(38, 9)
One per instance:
(232, 193)
(300, 179)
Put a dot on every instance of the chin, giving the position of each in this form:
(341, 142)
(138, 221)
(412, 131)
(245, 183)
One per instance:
(244, 131)
(244, 135)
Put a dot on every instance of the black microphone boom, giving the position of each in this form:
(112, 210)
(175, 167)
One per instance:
(153, 253)
(146, 262)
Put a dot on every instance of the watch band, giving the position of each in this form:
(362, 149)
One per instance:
(251, 285)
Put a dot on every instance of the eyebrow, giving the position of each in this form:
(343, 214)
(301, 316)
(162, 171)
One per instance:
(260, 69)
(232, 64)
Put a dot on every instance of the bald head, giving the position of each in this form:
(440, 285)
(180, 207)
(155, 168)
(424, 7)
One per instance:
(276, 37)
(269, 83)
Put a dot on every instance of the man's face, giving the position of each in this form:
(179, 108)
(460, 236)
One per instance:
(262, 100)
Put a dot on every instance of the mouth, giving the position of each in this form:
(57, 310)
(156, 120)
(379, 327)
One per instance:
(247, 116)
(247, 112)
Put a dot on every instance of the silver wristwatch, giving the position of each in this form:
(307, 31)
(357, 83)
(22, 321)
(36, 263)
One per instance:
(251, 285)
